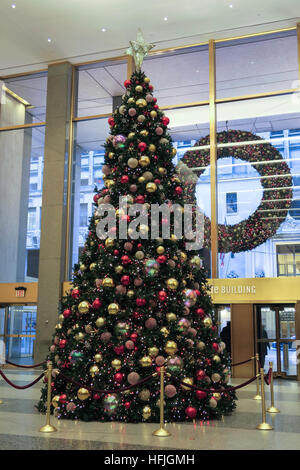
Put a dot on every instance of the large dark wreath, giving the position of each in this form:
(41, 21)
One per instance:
(276, 181)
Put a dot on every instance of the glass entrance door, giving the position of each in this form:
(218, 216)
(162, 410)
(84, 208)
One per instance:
(17, 332)
(223, 317)
(275, 335)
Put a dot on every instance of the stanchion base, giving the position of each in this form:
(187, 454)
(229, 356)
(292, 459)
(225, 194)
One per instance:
(1, 402)
(48, 428)
(161, 432)
(273, 409)
(257, 397)
(264, 427)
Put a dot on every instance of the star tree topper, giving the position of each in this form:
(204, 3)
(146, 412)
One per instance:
(139, 49)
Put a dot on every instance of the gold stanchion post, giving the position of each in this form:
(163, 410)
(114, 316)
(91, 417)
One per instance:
(257, 396)
(272, 408)
(48, 426)
(162, 432)
(263, 426)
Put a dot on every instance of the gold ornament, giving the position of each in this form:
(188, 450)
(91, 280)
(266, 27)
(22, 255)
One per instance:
(160, 250)
(131, 135)
(153, 114)
(108, 282)
(116, 364)
(196, 262)
(100, 322)
(80, 336)
(162, 171)
(148, 175)
(217, 396)
(153, 351)
(83, 394)
(93, 266)
(164, 331)
(113, 309)
(111, 155)
(173, 238)
(146, 361)
(119, 269)
(82, 267)
(171, 317)
(200, 346)
(183, 257)
(144, 161)
(174, 151)
(207, 322)
(130, 100)
(83, 307)
(151, 187)
(61, 318)
(141, 179)
(147, 80)
(189, 381)
(144, 133)
(216, 359)
(132, 162)
(171, 348)
(55, 401)
(144, 395)
(109, 183)
(139, 89)
(172, 283)
(98, 357)
(146, 412)
(130, 293)
(152, 148)
(141, 103)
(109, 243)
(94, 370)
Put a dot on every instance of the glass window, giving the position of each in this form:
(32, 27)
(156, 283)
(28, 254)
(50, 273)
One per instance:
(288, 260)
(24, 100)
(97, 84)
(20, 195)
(266, 210)
(257, 65)
(83, 215)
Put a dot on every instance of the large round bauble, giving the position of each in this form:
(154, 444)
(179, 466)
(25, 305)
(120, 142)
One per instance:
(213, 403)
(94, 370)
(189, 297)
(110, 403)
(139, 88)
(150, 323)
(175, 365)
(146, 412)
(153, 351)
(97, 304)
(191, 412)
(116, 364)
(164, 331)
(172, 283)
(132, 162)
(171, 348)
(171, 317)
(133, 378)
(108, 282)
(216, 359)
(55, 401)
(207, 322)
(98, 357)
(151, 187)
(80, 336)
(113, 309)
(170, 391)
(109, 242)
(83, 307)
(121, 329)
(100, 322)
(162, 295)
(196, 262)
(145, 361)
(67, 313)
(200, 346)
(183, 324)
(75, 293)
(144, 395)
(118, 140)
(83, 394)
(188, 381)
(144, 161)
(151, 267)
(105, 337)
(141, 103)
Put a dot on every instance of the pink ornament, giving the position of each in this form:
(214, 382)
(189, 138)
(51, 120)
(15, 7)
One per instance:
(129, 344)
(160, 360)
(192, 331)
(106, 170)
(170, 391)
(150, 323)
(149, 98)
(120, 289)
(62, 343)
(71, 406)
(98, 283)
(159, 130)
(133, 378)
(105, 337)
(200, 374)
(128, 246)
(52, 348)
(132, 112)
(138, 282)
(200, 395)
(133, 188)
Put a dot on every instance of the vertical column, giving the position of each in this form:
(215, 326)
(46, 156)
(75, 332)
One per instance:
(242, 339)
(213, 160)
(54, 213)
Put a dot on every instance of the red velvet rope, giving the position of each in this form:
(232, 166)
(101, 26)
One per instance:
(26, 367)
(268, 376)
(213, 390)
(118, 390)
(23, 387)
(240, 363)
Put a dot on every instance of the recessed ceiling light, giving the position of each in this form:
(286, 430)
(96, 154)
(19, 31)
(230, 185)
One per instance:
(13, 5)
(103, 30)
(165, 18)
(230, 6)
(49, 39)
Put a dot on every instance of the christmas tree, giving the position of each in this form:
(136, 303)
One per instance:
(137, 302)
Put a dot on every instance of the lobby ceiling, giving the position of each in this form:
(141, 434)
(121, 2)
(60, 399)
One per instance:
(34, 33)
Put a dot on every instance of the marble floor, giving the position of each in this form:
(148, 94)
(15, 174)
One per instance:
(20, 422)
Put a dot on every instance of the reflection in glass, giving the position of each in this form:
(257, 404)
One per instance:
(288, 358)
(21, 321)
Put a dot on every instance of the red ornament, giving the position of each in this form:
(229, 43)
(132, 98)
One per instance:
(162, 295)
(96, 396)
(125, 280)
(140, 302)
(63, 398)
(111, 121)
(127, 83)
(124, 179)
(96, 197)
(75, 293)
(200, 312)
(133, 337)
(161, 259)
(96, 304)
(116, 252)
(200, 374)
(200, 395)
(215, 346)
(62, 343)
(178, 190)
(140, 199)
(127, 405)
(67, 313)
(125, 259)
(165, 120)
(142, 146)
(119, 350)
(137, 315)
(118, 377)
(191, 412)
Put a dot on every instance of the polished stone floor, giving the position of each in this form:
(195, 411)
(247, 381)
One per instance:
(20, 422)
